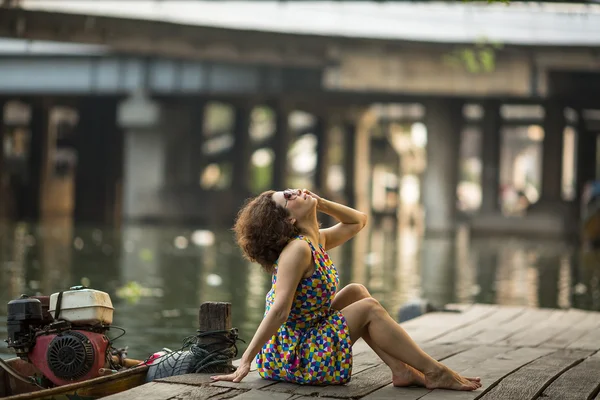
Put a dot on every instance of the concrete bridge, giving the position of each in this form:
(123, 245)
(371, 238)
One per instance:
(178, 111)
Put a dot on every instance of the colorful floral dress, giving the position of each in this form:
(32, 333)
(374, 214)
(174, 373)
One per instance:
(313, 346)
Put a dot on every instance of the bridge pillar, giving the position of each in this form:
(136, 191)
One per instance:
(99, 145)
(241, 154)
(321, 132)
(586, 156)
(281, 143)
(552, 155)
(38, 151)
(350, 163)
(490, 157)
(444, 122)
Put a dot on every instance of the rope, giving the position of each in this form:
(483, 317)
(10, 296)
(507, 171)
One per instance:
(224, 344)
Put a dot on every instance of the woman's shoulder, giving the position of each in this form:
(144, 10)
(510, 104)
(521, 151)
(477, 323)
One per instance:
(297, 246)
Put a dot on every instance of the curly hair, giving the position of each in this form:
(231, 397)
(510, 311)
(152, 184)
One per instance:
(262, 229)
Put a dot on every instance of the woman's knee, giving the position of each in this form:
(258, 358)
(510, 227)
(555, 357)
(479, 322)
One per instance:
(358, 290)
(371, 305)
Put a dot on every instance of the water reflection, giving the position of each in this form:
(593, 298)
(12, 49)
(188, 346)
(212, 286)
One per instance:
(158, 276)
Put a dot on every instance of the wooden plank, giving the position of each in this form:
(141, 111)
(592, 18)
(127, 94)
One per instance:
(188, 379)
(580, 382)
(204, 392)
(494, 334)
(459, 362)
(531, 380)
(259, 395)
(151, 391)
(537, 334)
(574, 332)
(589, 341)
(434, 325)
(252, 381)
(491, 371)
(499, 317)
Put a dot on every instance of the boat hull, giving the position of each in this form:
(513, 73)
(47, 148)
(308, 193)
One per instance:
(12, 389)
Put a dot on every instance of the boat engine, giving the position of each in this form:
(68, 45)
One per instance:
(71, 348)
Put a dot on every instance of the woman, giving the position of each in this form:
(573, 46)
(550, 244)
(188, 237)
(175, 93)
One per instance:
(307, 332)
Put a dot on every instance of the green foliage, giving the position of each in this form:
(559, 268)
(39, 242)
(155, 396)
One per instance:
(480, 58)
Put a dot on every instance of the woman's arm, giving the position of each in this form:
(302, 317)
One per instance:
(294, 262)
(351, 222)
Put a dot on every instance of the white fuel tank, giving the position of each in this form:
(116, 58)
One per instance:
(84, 307)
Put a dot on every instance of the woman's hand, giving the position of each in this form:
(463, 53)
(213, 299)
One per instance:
(237, 376)
(315, 196)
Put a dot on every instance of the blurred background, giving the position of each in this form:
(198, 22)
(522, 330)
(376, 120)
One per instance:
(132, 132)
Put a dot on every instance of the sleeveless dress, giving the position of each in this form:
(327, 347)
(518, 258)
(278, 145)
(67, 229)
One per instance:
(313, 346)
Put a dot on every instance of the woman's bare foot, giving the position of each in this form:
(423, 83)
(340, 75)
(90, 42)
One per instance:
(408, 377)
(445, 378)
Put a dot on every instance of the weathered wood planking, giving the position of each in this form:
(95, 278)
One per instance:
(491, 371)
(534, 336)
(459, 362)
(434, 325)
(589, 341)
(530, 380)
(500, 316)
(518, 353)
(154, 391)
(574, 332)
(579, 382)
(494, 334)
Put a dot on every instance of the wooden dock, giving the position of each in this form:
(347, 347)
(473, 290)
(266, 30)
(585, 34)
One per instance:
(519, 353)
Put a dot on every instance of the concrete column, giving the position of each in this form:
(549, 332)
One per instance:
(490, 157)
(281, 143)
(99, 148)
(321, 132)
(241, 153)
(586, 156)
(196, 162)
(350, 163)
(444, 122)
(143, 172)
(38, 127)
(554, 125)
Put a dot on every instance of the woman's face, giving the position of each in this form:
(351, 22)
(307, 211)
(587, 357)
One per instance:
(297, 203)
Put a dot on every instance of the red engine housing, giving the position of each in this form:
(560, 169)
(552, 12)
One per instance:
(70, 356)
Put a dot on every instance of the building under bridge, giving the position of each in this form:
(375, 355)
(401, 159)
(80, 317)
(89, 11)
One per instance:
(177, 111)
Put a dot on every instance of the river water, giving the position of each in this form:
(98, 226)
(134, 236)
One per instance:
(158, 276)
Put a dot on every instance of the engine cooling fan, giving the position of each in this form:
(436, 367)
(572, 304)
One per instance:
(70, 355)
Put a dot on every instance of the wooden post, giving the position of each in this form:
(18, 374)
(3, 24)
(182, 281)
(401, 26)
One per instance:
(214, 316)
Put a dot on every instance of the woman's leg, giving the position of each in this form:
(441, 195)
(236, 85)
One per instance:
(402, 374)
(368, 316)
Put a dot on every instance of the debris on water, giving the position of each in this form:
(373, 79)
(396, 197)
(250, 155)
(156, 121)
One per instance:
(146, 255)
(78, 243)
(133, 291)
(171, 313)
(580, 288)
(181, 242)
(214, 280)
(203, 238)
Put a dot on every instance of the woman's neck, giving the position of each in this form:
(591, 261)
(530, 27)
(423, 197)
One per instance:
(309, 230)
